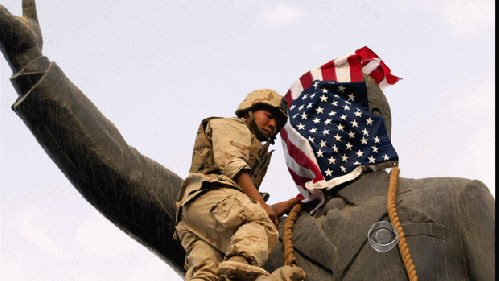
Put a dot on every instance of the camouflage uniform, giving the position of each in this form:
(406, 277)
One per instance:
(216, 220)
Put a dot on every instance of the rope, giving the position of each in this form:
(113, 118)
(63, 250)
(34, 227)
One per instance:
(392, 212)
(289, 225)
(290, 259)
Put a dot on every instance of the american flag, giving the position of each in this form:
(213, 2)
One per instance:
(331, 135)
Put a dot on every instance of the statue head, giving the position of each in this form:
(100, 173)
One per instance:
(265, 99)
(378, 103)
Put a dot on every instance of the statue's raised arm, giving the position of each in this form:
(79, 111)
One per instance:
(134, 192)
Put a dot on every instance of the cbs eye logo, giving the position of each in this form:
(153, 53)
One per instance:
(383, 236)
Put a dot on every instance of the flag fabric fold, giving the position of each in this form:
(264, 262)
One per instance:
(331, 136)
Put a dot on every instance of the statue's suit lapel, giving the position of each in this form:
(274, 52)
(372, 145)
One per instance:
(342, 233)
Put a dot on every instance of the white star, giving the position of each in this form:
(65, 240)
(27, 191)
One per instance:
(332, 113)
(313, 130)
(325, 91)
(323, 98)
(338, 138)
(343, 169)
(375, 149)
(351, 97)
(316, 84)
(309, 105)
(351, 134)
(358, 113)
(341, 88)
(359, 153)
(319, 109)
(344, 158)
(292, 107)
(354, 124)
(304, 116)
(340, 127)
(371, 159)
(323, 143)
(335, 103)
(336, 96)
(364, 141)
(386, 158)
(335, 148)
(366, 133)
(311, 139)
(325, 132)
(320, 153)
(301, 107)
(356, 163)
(329, 172)
(346, 107)
(343, 117)
(312, 95)
(332, 160)
(304, 97)
(327, 121)
(317, 120)
(294, 116)
(376, 139)
(349, 146)
(300, 127)
(369, 121)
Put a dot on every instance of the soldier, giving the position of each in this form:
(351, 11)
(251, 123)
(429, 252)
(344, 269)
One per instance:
(224, 224)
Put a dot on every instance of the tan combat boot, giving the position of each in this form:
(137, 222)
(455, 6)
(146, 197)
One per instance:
(238, 268)
(285, 273)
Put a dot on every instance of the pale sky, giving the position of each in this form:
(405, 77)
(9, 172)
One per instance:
(157, 68)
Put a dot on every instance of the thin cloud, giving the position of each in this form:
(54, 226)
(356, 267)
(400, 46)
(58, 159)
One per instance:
(12, 271)
(100, 237)
(282, 15)
(471, 17)
(32, 228)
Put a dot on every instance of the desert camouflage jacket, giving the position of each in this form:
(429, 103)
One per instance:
(223, 148)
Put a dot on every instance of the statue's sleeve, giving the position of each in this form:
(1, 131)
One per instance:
(476, 207)
(134, 192)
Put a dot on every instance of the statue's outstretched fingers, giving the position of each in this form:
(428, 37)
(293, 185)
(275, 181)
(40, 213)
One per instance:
(29, 10)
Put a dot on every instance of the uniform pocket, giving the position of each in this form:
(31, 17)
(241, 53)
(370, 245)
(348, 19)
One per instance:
(229, 213)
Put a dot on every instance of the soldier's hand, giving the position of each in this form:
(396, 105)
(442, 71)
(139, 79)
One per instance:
(272, 214)
(285, 207)
(20, 37)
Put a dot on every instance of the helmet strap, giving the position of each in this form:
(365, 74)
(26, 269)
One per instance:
(258, 133)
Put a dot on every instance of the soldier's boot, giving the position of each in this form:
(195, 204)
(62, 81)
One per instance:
(285, 273)
(238, 268)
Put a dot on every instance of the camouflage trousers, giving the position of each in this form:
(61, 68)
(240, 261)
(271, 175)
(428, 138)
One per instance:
(221, 223)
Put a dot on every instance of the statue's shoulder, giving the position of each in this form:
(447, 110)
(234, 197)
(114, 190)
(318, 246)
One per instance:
(443, 186)
(444, 199)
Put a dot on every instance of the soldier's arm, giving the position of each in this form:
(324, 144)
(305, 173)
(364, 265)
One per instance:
(231, 145)
(244, 181)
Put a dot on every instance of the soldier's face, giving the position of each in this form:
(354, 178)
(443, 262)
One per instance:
(266, 121)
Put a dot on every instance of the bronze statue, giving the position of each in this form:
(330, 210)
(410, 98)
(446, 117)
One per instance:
(448, 222)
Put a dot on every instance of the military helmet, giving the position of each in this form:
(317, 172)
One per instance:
(265, 97)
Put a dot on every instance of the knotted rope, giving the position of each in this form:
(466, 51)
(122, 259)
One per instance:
(290, 259)
(392, 212)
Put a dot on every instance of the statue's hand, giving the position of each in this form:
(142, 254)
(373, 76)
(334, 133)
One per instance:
(20, 37)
